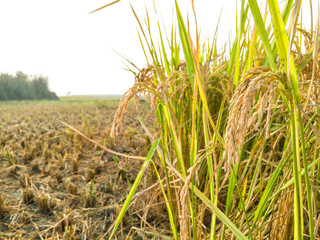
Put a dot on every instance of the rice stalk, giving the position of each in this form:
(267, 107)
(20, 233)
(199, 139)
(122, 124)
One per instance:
(238, 131)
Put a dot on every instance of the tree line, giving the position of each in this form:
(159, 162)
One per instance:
(21, 87)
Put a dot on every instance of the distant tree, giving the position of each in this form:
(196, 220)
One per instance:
(20, 87)
(4, 89)
(40, 86)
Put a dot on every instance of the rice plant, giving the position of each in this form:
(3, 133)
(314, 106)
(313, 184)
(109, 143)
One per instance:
(239, 148)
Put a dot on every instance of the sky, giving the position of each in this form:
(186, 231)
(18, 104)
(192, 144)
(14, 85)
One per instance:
(79, 52)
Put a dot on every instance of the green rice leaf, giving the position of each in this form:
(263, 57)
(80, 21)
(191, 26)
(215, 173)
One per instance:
(134, 187)
(262, 32)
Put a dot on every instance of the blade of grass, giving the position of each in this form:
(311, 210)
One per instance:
(185, 44)
(170, 212)
(219, 214)
(134, 187)
(210, 173)
(262, 32)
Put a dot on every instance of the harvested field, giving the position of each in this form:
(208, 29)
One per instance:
(229, 150)
(54, 184)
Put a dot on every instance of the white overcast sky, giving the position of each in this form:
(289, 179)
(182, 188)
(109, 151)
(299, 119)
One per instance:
(75, 50)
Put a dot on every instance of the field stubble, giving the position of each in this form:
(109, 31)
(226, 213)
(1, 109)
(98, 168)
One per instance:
(55, 184)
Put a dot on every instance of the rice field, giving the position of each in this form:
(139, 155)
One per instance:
(54, 184)
(225, 146)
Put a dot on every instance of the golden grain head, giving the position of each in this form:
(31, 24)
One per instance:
(242, 104)
(144, 84)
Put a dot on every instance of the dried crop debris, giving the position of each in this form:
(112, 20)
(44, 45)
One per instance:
(56, 185)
